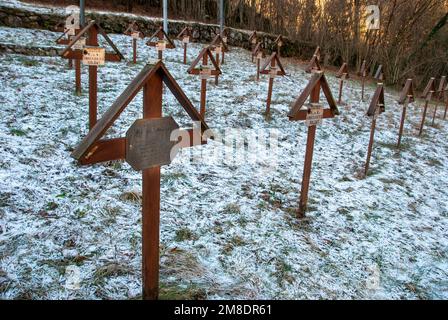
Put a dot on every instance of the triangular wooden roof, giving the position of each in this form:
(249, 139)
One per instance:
(93, 24)
(265, 68)
(379, 73)
(408, 91)
(133, 27)
(297, 113)
(342, 71)
(253, 35)
(377, 101)
(257, 49)
(161, 34)
(186, 32)
(91, 142)
(206, 51)
(442, 84)
(279, 39)
(430, 87)
(218, 41)
(314, 65)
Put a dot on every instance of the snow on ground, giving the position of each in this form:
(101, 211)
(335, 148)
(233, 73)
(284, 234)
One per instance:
(228, 230)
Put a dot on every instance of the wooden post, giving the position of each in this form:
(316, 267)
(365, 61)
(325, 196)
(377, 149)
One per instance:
(403, 118)
(258, 68)
(425, 110)
(315, 96)
(369, 151)
(78, 76)
(93, 82)
(134, 48)
(160, 54)
(446, 109)
(217, 62)
(152, 108)
(70, 63)
(203, 88)
(341, 84)
(436, 106)
(271, 84)
(185, 53)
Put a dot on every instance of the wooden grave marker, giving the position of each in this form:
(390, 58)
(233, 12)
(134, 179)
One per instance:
(225, 35)
(376, 107)
(314, 64)
(92, 55)
(185, 37)
(133, 31)
(258, 54)
(164, 42)
(204, 57)
(427, 95)
(272, 67)
(312, 114)
(342, 74)
(65, 39)
(146, 147)
(407, 96)
(253, 40)
(439, 95)
(279, 43)
(219, 48)
(363, 74)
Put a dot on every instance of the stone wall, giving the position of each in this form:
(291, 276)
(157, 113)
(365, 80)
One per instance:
(117, 23)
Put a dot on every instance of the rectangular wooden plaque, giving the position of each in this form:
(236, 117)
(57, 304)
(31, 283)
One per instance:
(186, 39)
(161, 45)
(315, 115)
(93, 56)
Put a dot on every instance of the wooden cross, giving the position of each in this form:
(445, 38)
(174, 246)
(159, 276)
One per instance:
(377, 107)
(64, 39)
(314, 64)
(71, 52)
(205, 72)
(279, 42)
(146, 148)
(427, 95)
(164, 42)
(218, 42)
(440, 95)
(407, 96)
(253, 40)
(273, 67)
(259, 54)
(133, 31)
(185, 37)
(313, 114)
(342, 75)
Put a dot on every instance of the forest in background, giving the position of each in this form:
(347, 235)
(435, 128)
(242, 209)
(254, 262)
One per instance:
(412, 41)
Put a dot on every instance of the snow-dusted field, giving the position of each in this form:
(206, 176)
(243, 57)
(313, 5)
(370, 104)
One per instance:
(228, 230)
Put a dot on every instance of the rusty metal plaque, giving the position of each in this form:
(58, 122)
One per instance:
(148, 143)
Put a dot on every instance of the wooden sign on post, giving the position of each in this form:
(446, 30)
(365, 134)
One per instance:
(65, 39)
(376, 108)
(440, 96)
(407, 96)
(258, 54)
(314, 64)
(363, 74)
(253, 40)
(185, 37)
(279, 42)
(273, 67)
(219, 43)
(427, 95)
(93, 57)
(160, 41)
(133, 31)
(144, 153)
(312, 113)
(342, 75)
(205, 72)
